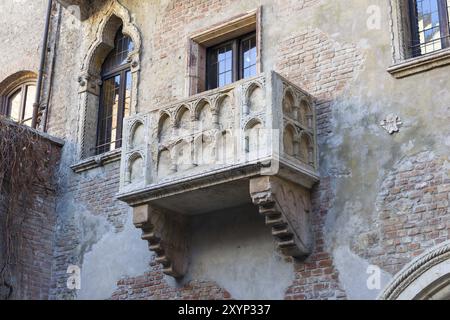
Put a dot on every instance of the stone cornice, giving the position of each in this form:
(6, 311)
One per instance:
(97, 161)
(420, 64)
(54, 140)
(191, 182)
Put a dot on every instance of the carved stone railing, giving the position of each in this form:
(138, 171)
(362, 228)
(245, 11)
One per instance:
(253, 141)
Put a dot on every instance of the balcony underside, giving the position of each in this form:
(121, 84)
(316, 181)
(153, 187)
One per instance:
(197, 195)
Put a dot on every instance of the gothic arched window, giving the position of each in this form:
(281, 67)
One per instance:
(115, 97)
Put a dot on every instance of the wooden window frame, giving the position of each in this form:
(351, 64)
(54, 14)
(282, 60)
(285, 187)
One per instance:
(237, 67)
(120, 112)
(122, 71)
(219, 33)
(241, 52)
(6, 103)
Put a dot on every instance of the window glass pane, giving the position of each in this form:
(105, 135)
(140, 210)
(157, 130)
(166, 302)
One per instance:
(114, 112)
(225, 65)
(221, 79)
(14, 105)
(123, 45)
(428, 24)
(116, 94)
(108, 115)
(28, 114)
(127, 99)
(249, 57)
(222, 68)
(228, 78)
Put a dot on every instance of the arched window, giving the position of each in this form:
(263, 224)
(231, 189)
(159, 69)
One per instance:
(18, 103)
(115, 97)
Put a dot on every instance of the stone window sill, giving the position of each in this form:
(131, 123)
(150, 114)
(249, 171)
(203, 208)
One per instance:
(420, 64)
(97, 161)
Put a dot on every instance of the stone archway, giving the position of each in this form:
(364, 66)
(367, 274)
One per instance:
(425, 278)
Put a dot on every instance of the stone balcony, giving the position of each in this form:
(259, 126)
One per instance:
(251, 142)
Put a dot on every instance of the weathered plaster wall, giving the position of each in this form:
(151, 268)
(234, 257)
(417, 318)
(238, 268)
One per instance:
(326, 48)
(21, 29)
(235, 249)
(95, 233)
(232, 249)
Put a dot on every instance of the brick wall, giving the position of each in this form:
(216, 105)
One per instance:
(31, 275)
(152, 285)
(317, 278)
(3, 196)
(88, 193)
(413, 212)
(36, 256)
(178, 21)
(323, 67)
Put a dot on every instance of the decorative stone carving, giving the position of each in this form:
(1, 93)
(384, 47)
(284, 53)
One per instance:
(286, 207)
(299, 129)
(255, 139)
(253, 97)
(89, 83)
(391, 124)
(166, 236)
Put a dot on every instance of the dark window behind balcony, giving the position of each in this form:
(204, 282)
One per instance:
(231, 61)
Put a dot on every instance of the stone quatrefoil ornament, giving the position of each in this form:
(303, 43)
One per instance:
(391, 124)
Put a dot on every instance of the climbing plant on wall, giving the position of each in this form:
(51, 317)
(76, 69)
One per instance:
(27, 163)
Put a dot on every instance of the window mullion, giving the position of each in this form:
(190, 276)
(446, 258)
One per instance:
(241, 59)
(415, 40)
(100, 114)
(3, 106)
(235, 49)
(23, 103)
(121, 107)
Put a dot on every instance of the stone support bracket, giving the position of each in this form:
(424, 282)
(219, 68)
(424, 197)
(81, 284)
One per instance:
(166, 236)
(286, 208)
